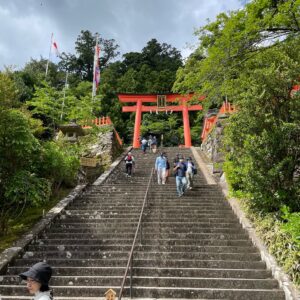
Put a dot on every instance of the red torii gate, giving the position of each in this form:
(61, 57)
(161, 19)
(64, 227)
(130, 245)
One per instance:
(161, 100)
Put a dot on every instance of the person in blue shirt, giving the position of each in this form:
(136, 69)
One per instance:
(180, 172)
(160, 168)
(144, 145)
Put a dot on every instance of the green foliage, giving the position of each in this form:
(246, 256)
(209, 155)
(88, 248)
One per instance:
(8, 92)
(19, 152)
(53, 106)
(78, 103)
(291, 225)
(18, 147)
(265, 140)
(18, 226)
(279, 237)
(25, 189)
(27, 168)
(59, 164)
(230, 41)
(158, 124)
(33, 75)
(45, 105)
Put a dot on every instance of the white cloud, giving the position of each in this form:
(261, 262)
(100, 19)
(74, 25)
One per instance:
(26, 25)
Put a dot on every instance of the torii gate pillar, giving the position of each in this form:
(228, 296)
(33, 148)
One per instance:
(137, 124)
(186, 126)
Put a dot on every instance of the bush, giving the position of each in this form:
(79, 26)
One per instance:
(19, 156)
(281, 234)
(24, 189)
(59, 165)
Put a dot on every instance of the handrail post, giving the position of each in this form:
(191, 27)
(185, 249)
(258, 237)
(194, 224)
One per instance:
(141, 234)
(131, 270)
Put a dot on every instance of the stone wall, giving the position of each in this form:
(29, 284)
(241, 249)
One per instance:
(213, 145)
(106, 148)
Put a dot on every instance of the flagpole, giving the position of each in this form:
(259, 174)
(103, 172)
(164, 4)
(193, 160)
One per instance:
(47, 66)
(96, 74)
(65, 88)
(94, 70)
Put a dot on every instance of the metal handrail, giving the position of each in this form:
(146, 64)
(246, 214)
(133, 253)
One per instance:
(130, 258)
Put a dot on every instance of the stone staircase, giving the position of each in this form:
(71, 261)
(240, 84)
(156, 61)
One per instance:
(193, 247)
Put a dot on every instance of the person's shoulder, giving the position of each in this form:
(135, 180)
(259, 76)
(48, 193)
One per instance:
(43, 296)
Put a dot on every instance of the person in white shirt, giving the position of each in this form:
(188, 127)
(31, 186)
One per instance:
(160, 168)
(189, 173)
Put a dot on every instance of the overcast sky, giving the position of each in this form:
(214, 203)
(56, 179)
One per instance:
(26, 25)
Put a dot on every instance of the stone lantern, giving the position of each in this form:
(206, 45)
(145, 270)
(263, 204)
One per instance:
(71, 131)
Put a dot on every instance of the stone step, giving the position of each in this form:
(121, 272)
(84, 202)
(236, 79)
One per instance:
(155, 262)
(147, 248)
(164, 202)
(155, 242)
(133, 217)
(143, 255)
(150, 236)
(148, 229)
(174, 225)
(74, 226)
(81, 220)
(137, 210)
(167, 188)
(193, 246)
(176, 272)
(167, 205)
(126, 185)
(161, 281)
(160, 194)
(170, 211)
(160, 292)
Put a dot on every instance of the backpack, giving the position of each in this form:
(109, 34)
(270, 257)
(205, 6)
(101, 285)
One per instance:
(128, 159)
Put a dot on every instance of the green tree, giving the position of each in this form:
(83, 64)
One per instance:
(264, 134)
(233, 38)
(8, 92)
(59, 164)
(19, 152)
(82, 63)
(33, 75)
(251, 57)
(46, 105)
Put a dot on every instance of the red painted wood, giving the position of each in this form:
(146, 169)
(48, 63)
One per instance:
(137, 125)
(153, 109)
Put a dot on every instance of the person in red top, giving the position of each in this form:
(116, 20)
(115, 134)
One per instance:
(129, 163)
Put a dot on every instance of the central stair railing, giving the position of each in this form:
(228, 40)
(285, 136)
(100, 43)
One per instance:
(139, 228)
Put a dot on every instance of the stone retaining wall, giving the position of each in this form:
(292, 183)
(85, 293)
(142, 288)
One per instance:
(213, 145)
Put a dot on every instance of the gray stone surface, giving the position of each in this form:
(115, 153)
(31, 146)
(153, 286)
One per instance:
(192, 247)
